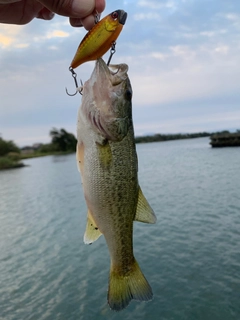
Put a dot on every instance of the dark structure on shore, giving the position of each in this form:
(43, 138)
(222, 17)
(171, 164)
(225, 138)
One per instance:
(225, 140)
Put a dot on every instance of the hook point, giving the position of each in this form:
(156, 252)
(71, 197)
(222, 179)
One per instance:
(70, 94)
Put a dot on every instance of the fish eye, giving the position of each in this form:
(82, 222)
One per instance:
(128, 94)
(115, 15)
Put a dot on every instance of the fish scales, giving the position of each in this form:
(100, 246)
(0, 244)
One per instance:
(107, 160)
(118, 193)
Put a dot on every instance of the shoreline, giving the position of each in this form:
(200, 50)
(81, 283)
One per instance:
(219, 139)
(7, 163)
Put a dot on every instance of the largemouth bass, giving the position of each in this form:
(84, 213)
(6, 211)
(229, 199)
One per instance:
(107, 160)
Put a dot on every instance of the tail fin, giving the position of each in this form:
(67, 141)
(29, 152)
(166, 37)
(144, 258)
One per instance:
(123, 288)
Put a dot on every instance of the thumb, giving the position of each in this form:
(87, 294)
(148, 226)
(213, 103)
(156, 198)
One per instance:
(70, 8)
(45, 14)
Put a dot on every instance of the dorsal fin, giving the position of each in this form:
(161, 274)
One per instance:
(144, 212)
(92, 232)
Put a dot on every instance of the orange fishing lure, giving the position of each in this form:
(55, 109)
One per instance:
(100, 38)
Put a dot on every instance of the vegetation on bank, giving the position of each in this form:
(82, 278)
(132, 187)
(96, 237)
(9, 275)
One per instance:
(63, 142)
(175, 136)
(225, 139)
(9, 155)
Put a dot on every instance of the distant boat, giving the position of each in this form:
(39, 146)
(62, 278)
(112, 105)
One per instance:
(225, 140)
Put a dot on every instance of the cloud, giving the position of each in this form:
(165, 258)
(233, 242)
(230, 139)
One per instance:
(57, 34)
(222, 49)
(183, 59)
(157, 4)
(146, 16)
(33, 34)
(9, 36)
(24, 134)
(159, 56)
(232, 17)
(184, 126)
(5, 41)
(189, 123)
(182, 73)
(209, 34)
(51, 35)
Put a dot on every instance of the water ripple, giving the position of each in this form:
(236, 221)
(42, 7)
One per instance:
(190, 257)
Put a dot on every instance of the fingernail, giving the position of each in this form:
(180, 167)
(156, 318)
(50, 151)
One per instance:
(76, 22)
(50, 16)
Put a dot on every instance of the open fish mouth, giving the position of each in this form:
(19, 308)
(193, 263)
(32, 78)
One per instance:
(107, 100)
(116, 73)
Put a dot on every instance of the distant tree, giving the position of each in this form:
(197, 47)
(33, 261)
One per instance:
(174, 136)
(7, 146)
(63, 140)
(47, 148)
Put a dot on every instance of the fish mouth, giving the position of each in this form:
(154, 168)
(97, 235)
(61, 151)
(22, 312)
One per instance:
(122, 16)
(115, 73)
(108, 95)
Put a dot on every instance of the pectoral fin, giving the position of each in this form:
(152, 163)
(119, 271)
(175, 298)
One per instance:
(144, 212)
(92, 232)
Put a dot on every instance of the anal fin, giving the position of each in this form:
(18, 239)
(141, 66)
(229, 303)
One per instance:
(92, 232)
(144, 212)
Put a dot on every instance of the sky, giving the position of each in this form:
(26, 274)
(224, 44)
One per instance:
(184, 67)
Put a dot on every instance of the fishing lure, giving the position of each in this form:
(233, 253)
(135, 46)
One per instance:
(98, 41)
(100, 38)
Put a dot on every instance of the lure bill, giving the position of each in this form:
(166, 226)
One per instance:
(100, 38)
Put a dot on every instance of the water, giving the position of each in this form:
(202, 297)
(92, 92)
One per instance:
(191, 257)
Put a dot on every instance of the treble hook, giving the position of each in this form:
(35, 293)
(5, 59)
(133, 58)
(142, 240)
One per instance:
(96, 17)
(112, 51)
(78, 89)
(74, 75)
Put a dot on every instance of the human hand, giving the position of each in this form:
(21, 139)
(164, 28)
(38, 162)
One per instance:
(80, 12)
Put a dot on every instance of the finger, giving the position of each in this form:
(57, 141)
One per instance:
(8, 1)
(75, 22)
(71, 8)
(45, 14)
(88, 22)
(100, 5)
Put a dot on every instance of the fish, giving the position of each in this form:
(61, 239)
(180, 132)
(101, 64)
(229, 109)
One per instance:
(107, 161)
(100, 38)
